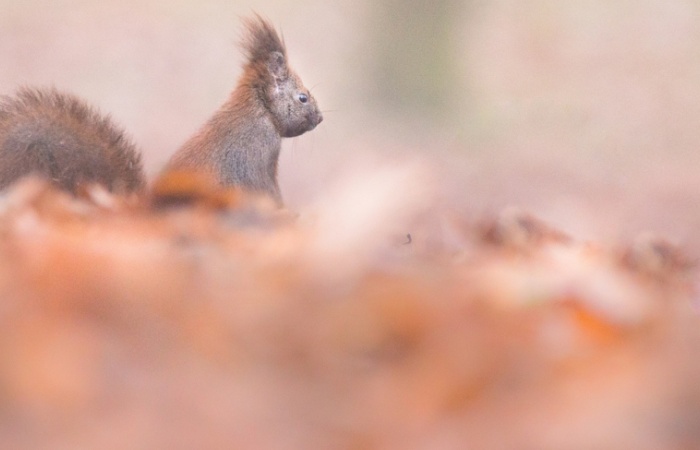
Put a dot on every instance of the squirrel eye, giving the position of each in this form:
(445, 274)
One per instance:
(303, 98)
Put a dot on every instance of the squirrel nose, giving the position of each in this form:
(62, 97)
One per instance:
(319, 118)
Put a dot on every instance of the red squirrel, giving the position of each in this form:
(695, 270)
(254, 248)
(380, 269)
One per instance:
(56, 135)
(240, 144)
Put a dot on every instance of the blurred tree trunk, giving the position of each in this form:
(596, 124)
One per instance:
(415, 61)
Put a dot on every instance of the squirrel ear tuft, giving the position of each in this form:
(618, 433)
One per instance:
(277, 65)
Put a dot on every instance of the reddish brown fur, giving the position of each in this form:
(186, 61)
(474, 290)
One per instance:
(241, 142)
(59, 137)
(260, 40)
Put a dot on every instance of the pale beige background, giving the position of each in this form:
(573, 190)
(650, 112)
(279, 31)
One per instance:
(586, 113)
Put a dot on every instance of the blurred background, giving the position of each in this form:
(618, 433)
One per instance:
(587, 113)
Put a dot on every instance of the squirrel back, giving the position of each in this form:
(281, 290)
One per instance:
(57, 136)
(240, 143)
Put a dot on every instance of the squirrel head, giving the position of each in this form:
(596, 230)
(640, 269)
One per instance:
(293, 109)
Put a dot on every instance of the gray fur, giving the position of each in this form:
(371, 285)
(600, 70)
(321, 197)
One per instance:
(57, 136)
(240, 144)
